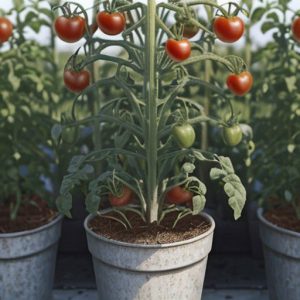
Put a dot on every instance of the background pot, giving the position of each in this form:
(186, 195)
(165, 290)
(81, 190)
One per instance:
(282, 259)
(134, 271)
(27, 262)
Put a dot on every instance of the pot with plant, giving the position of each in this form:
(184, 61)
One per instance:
(29, 227)
(276, 160)
(152, 240)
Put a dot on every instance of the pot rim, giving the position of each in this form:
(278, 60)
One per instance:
(153, 246)
(261, 217)
(55, 220)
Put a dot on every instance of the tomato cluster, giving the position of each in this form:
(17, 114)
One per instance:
(6, 29)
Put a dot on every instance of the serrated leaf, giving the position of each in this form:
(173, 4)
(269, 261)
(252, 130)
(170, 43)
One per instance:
(198, 204)
(75, 163)
(64, 204)
(216, 173)
(92, 203)
(188, 168)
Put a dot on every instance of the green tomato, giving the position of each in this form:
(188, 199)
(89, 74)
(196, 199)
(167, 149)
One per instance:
(184, 134)
(233, 135)
(69, 135)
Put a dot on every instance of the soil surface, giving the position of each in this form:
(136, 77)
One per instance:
(284, 217)
(141, 233)
(30, 216)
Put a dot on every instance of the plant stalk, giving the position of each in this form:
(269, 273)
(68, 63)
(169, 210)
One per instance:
(150, 96)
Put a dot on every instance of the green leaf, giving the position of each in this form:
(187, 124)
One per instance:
(64, 204)
(233, 186)
(18, 4)
(188, 168)
(92, 203)
(267, 26)
(56, 131)
(198, 204)
(257, 14)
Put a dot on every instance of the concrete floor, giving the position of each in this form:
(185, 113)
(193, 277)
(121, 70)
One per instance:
(207, 295)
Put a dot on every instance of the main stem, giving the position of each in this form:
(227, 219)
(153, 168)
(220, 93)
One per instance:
(150, 94)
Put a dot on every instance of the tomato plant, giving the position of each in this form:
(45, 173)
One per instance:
(123, 199)
(111, 23)
(296, 29)
(70, 29)
(232, 135)
(149, 110)
(240, 84)
(6, 29)
(228, 29)
(184, 135)
(178, 50)
(179, 195)
(76, 81)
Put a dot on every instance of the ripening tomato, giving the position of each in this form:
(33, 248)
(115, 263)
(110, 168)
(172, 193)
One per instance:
(6, 29)
(296, 29)
(71, 29)
(179, 195)
(125, 198)
(111, 23)
(76, 81)
(184, 134)
(178, 50)
(189, 31)
(232, 135)
(240, 84)
(228, 30)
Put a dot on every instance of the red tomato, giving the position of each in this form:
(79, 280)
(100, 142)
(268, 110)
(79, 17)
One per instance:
(228, 30)
(71, 29)
(124, 199)
(76, 81)
(296, 29)
(6, 29)
(178, 195)
(240, 84)
(178, 50)
(111, 23)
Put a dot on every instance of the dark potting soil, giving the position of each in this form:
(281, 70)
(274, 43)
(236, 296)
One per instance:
(141, 233)
(284, 217)
(29, 216)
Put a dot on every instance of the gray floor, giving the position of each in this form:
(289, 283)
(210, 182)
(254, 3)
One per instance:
(207, 295)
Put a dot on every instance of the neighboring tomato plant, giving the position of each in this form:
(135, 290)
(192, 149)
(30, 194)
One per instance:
(228, 29)
(6, 29)
(296, 29)
(76, 81)
(179, 195)
(184, 134)
(240, 84)
(125, 198)
(111, 23)
(178, 50)
(70, 29)
(232, 135)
